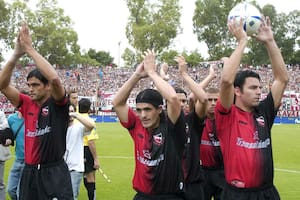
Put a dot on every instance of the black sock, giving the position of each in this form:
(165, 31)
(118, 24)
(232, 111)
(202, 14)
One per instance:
(91, 189)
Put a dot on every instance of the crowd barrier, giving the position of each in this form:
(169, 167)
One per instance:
(278, 120)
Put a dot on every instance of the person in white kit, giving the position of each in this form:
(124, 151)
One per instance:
(74, 147)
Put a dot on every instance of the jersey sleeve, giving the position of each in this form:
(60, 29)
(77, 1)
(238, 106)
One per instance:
(268, 108)
(131, 120)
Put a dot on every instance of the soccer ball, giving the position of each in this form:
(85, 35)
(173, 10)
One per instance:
(251, 15)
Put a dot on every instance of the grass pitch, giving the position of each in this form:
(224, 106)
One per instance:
(115, 149)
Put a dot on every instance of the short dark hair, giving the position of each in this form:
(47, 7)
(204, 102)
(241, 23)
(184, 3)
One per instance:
(84, 105)
(150, 96)
(241, 76)
(37, 74)
(180, 90)
(212, 90)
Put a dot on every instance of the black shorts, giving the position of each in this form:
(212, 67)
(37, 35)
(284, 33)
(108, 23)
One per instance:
(46, 181)
(142, 196)
(88, 160)
(193, 191)
(265, 193)
(213, 184)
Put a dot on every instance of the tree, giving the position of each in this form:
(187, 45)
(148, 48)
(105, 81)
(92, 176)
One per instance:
(168, 57)
(53, 35)
(129, 58)
(210, 26)
(102, 57)
(4, 23)
(194, 58)
(286, 31)
(152, 24)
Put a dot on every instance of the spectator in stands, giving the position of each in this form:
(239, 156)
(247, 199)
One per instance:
(243, 122)
(45, 112)
(158, 139)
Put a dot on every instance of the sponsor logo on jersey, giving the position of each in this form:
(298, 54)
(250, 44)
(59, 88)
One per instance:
(242, 122)
(253, 145)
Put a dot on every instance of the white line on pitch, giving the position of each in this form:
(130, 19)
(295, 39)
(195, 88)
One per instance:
(121, 157)
(287, 170)
(131, 157)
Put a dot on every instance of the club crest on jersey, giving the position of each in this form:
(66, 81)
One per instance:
(158, 139)
(45, 111)
(261, 121)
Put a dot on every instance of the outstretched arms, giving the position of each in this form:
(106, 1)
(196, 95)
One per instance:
(57, 88)
(8, 90)
(265, 35)
(232, 63)
(165, 89)
(119, 102)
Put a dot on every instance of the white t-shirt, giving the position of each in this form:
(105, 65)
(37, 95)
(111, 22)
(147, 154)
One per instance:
(74, 149)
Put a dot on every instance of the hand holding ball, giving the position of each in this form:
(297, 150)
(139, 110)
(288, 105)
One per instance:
(251, 15)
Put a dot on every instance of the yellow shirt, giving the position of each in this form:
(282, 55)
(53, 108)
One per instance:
(92, 136)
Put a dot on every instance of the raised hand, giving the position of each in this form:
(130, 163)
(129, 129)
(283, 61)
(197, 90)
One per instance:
(265, 33)
(149, 61)
(163, 72)
(140, 71)
(25, 38)
(236, 29)
(181, 64)
(212, 72)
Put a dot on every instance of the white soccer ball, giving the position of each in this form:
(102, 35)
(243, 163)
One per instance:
(251, 15)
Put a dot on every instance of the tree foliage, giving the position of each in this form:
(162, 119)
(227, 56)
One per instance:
(102, 57)
(210, 25)
(152, 24)
(129, 58)
(3, 26)
(168, 57)
(52, 31)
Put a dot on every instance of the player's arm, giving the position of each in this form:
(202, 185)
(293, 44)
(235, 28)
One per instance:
(199, 95)
(200, 107)
(165, 89)
(87, 122)
(57, 89)
(11, 93)
(232, 63)
(280, 73)
(92, 147)
(120, 99)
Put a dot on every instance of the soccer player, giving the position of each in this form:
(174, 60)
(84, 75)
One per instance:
(158, 139)
(212, 166)
(244, 122)
(197, 123)
(46, 117)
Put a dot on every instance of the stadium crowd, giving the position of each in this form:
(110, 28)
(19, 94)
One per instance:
(94, 81)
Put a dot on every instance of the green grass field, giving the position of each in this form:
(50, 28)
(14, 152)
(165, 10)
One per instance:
(115, 150)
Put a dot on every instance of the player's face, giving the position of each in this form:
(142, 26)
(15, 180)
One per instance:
(250, 95)
(148, 114)
(74, 98)
(38, 91)
(183, 102)
(211, 102)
